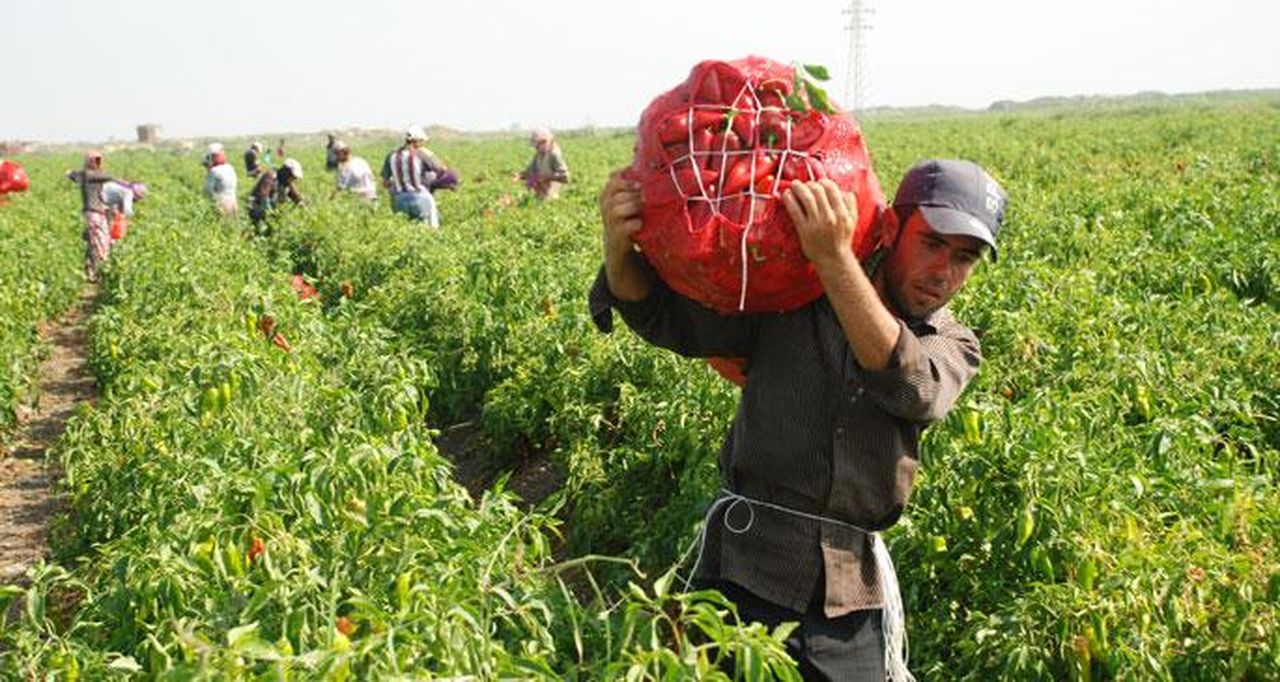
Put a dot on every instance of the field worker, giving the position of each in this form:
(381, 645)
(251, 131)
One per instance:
(254, 161)
(272, 188)
(97, 230)
(409, 174)
(288, 178)
(823, 450)
(220, 181)
(331, 153)
(354, 173)
(262, 197)
(119, 197)
(546, 170)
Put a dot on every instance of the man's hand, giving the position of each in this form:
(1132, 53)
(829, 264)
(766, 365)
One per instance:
(824, 218)
(620, 205)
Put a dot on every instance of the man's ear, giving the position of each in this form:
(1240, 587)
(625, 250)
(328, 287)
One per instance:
(886, 228)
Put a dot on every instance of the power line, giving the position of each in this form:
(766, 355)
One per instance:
(855, 72)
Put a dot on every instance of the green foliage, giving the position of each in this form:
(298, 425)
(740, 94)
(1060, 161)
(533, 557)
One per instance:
(1102, 504)
(39, 277)
(236, 510)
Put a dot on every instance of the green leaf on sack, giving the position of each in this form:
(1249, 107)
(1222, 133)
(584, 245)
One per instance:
(818, 71)
(818, 97)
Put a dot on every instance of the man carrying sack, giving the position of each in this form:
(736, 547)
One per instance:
(823, 450)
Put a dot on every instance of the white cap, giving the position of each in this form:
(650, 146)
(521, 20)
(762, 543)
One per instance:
(214, 148)
(293, 165)
(415, 133)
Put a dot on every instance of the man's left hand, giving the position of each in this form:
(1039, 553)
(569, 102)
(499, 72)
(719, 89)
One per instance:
(824, 218)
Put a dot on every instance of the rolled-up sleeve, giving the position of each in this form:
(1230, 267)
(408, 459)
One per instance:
(669, 320)
(926, 372)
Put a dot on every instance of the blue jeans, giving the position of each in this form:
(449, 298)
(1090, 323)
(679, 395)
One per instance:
(417, 205)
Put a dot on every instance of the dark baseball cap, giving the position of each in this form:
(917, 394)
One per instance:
(956, 197)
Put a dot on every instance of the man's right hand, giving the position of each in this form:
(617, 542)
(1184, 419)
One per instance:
(620, 205)
(620, 210)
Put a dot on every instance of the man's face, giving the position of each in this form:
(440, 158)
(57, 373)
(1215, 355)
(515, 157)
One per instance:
(926, 268)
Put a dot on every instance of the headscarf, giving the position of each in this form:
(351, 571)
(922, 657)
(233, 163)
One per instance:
(541, 135)
(92, 158)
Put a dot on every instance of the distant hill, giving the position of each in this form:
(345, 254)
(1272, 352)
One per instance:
(1083, 103)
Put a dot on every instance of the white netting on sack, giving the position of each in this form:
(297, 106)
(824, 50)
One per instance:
(742, 171)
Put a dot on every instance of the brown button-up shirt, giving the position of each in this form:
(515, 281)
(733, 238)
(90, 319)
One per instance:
(814, 432)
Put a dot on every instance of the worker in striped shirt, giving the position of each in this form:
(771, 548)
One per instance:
(409, 174)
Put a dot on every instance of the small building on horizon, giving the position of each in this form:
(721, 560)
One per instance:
(149, 133)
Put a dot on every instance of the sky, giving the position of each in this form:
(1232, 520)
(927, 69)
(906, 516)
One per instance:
(81, 70)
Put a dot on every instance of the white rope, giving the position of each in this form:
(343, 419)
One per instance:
(893, 614)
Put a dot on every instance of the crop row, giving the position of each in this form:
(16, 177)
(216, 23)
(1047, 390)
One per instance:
(39, 279)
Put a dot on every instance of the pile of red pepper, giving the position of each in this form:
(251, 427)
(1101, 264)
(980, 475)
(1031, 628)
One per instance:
(13, 178)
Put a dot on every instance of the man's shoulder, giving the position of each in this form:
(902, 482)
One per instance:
(941, 321)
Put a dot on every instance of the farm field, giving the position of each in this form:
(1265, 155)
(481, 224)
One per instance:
(1102, 504)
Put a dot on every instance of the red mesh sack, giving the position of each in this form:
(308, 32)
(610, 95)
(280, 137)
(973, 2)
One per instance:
(13, 178)
(713, 156)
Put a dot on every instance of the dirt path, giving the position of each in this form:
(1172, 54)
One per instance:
(532, 480)
(26, 479)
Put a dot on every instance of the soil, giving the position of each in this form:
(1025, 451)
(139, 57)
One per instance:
(532, 480)
(27, 497)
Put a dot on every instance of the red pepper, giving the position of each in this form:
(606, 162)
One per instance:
(765, 185)
(257, 549)
(708, 91)
(744, 124)
(676, 152)
(703, 141)
(726, 141)
(743, 174)
(797, 168)
(773, 92)
(281, 343)
(675, 128)
(738, 177)
(687, 182)
(807, 129)
(773, 129)
(700, 215)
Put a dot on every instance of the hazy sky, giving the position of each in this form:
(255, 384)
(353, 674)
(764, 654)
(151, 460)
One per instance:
(81, 70)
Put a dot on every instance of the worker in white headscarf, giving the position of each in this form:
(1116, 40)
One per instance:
(546, 170)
